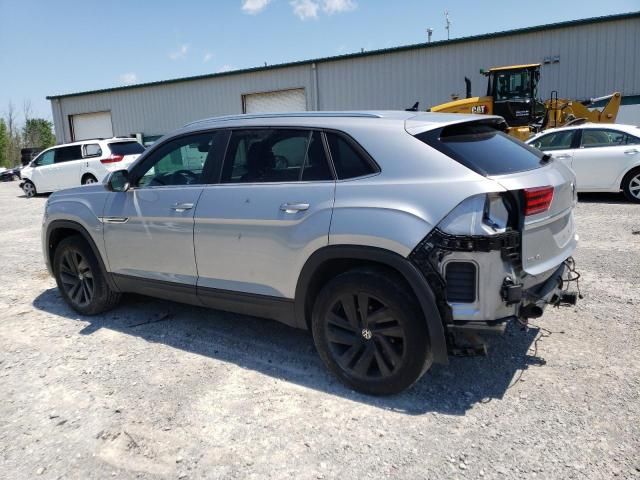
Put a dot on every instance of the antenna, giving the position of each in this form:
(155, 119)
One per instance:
(429, 33)
(447, 22)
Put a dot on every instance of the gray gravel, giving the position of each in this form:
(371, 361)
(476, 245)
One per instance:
(161, 390)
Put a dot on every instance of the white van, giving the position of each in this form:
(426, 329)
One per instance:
(78, 163)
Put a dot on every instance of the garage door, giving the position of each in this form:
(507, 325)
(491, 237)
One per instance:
(91, 125)
(281, 101)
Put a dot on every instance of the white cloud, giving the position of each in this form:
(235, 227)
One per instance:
(252, 7)
(180, 52)
(225, 68)
(207, 56)
(305, 9)
(338, 6)
(128, 78)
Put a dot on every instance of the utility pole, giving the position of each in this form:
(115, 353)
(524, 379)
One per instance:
(447, 22)
(429, 33)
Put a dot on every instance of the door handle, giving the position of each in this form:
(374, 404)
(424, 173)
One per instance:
(181, 207)
(633, 151)
(294, 207)
(564, 156)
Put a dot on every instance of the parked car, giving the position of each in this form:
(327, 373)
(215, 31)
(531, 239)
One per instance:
(9, 174)
(79, 163)
(605, 158)
(385, 234)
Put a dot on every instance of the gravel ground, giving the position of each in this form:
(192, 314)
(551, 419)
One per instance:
(161, 390)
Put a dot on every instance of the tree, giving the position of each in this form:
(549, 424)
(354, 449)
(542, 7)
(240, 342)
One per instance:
(38, 132)
(4, 144)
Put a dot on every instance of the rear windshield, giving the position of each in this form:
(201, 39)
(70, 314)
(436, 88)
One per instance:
(126, 148)
(483, 149)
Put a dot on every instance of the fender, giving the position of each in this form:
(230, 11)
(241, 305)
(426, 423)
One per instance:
(390, 259)
(71, 225)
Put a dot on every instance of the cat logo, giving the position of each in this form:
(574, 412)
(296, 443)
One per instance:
(479, 109)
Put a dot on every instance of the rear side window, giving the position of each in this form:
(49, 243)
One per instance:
(483, 149)
(92, 150)
(67, 154)
(126, 148)
(555, 141)
(349, 163)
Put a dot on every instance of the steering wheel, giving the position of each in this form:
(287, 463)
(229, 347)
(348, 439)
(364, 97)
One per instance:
(188, 175)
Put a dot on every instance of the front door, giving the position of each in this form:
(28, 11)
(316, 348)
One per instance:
(43, 173)
(271, 210)
(560, 145)
(148, 230)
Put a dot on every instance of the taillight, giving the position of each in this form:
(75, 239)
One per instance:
(113, 158)
(537, 200)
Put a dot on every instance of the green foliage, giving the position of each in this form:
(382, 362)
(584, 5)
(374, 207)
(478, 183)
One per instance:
(38, 132)
(4, 143)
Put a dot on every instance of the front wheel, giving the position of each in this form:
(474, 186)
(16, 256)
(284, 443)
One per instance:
(80, 278)
(631, 185)
(370, 332)
(29, 189)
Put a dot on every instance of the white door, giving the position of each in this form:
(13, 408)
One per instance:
(558, 145)
(43, 174)
(92, 125)
(601, 158)
(68, 166)
(282, 101)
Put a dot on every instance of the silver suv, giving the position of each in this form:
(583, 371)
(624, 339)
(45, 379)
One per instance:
(394, 237)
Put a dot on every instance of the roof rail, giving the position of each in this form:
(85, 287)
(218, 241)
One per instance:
(246, 116)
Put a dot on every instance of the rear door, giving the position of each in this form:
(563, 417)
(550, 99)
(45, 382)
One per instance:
(560, 145)
(601, 159)
(68, 166)
(148, 230)
(271, 210)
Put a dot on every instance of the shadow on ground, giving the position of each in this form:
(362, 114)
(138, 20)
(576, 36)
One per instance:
(285, 353)
(613, 198)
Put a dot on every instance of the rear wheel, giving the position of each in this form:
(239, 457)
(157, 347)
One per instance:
(370, 332)
(89, 179)
(631, 185)
(80, 278)
(29, 189)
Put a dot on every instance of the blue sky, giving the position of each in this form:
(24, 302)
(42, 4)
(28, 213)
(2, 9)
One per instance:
(60, 46)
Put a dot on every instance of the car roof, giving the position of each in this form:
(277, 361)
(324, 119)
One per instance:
(418, 121)
(94, 140)
(632, 129)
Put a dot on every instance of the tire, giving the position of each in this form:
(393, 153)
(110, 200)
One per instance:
(81, 280)
(89, 179)
(29, 189)
(631, 185)
(383, 354)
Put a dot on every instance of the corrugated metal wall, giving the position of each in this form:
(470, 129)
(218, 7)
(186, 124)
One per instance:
(595, 59)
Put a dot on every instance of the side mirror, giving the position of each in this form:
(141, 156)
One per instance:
(118, 181)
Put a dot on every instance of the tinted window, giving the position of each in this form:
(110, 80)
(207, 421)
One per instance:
(181, 161)
(631, 140)
(126, 148)
(348, 161)
(274, 155)
(66, 154)
(483, 149)
(555, 141)
(46, 158)
(92, 150)
(594, 137)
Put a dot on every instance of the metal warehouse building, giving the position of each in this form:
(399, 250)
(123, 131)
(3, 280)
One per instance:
(581, 59)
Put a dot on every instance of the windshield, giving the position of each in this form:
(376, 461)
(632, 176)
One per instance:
(512, 85)
(483, 149)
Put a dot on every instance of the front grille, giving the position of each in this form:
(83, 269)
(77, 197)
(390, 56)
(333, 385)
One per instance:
(461, 282)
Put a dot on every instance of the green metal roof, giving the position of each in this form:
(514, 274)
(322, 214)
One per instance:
(519, 31)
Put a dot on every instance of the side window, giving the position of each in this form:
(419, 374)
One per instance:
(347, 160)
(555, 141)
(593, 138)
(180, 161)
(67, 154)
(631, 140)
(92, 150)
(275, 155)
(45, 159)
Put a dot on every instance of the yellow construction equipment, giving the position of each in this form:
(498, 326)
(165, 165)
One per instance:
(512, 94)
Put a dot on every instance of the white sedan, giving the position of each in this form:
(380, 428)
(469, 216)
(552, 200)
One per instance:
(605, 158)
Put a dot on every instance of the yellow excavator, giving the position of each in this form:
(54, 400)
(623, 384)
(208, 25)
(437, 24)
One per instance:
(512, 94)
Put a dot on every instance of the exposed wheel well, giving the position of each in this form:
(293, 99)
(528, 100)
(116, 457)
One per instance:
(56, 236)
(334, 267)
